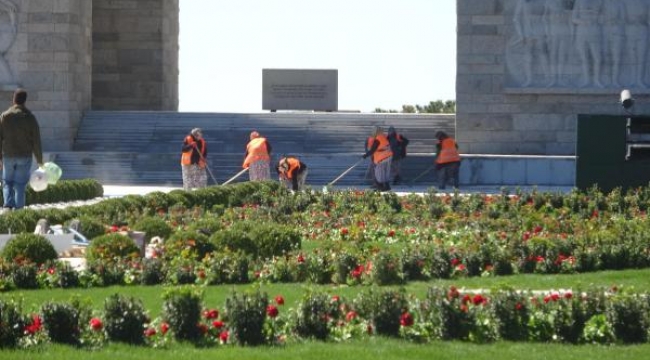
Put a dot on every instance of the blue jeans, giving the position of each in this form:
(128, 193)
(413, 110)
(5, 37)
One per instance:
(15, 175)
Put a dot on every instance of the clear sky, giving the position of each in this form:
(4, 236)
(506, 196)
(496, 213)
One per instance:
(387, 52)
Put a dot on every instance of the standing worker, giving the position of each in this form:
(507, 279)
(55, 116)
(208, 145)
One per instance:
(447, 160)
(258, 158)
(20, 137)
(292, 172)
(398, 145)
(370, 171)
(381, 157)
(193, 163)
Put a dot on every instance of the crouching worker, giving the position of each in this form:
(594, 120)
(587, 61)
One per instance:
(292, 172)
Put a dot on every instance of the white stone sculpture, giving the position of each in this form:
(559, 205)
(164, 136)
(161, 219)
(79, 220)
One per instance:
(557, 22)
(531, 34)
(613, 25)
(8, 31)
(585, 17)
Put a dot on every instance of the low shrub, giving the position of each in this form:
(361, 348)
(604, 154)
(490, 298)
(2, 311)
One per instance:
(311, 313)
(124, 319)
(88, 226)
(11, 323)
(24, 276)
(628, 315)
(29, 247)
(153, 226)
(182, 311)
(384, 309)
(186, 245)
(245, 316)
(62, 322)
(259, 240)
(110, 247)
(152, 272)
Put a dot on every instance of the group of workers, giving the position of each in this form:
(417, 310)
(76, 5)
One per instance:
(386, 152)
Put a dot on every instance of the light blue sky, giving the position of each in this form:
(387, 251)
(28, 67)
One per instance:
(387, 52)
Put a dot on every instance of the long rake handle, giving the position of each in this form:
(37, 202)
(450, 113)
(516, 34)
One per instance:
(345, 172)
(235, 177)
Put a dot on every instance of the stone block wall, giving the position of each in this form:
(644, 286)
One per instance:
(511, 101)
(50, 58)
(135, 55)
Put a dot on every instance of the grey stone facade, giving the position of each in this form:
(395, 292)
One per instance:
(135, 55)
(73, 55)
(510, 100)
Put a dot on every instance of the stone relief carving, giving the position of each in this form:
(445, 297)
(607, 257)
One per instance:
(579, 44)
(8, 31)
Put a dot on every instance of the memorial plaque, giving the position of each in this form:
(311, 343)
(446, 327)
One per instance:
(299, 89)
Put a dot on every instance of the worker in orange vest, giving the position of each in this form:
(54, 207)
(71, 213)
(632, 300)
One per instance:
(292, 172)
(258, 158)
(447, 160)
(193, 163)
(370, 171)
(381, 157)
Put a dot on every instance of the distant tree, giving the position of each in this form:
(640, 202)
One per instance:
(434, 107)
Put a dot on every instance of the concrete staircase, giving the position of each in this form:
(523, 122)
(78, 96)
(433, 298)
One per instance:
(143, 148)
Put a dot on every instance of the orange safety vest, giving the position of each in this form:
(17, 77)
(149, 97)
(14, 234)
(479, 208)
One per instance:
(257, 151)
(186, 156)
(448, 152)
(383, 151)
(369, 143)
(293, 165)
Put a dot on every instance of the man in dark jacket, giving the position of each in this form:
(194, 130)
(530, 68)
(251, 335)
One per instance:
(20, 138)
(398, 145)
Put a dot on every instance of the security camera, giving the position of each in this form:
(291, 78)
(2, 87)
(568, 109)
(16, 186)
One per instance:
(626, 99)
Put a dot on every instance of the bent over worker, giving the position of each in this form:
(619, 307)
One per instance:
(292, 172)
(193, 155)
(258, 158)
(447, 160)
(381, 157)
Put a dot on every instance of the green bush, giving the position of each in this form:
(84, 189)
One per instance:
(152, 272)
(24, 276)
(110, 247)
(384, 309)
(62, 322)
(386, 269)
(311, 311)
(227, 268)
(186, 245)
(124, 319)
(628, 315)
(11, 323)
(259, 240)
(153, 226)
(182, 311)
(89, 227)
(245, 316)
(29, 247)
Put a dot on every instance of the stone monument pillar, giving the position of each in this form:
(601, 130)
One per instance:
(135, 55)
(45, 48)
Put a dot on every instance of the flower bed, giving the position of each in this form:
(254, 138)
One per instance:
(602, 316)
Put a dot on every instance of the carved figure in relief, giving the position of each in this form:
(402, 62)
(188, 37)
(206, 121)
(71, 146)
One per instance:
(557, 21)
(588, 39)
(531, 33)
(636, 30)
(8, 31)
(613, 24)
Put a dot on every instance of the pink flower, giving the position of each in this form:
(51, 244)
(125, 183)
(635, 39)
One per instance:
(272, 311)
(149, 332)
(351, 315)
(96, 324)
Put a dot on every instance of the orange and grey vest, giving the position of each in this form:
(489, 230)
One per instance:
(383, 151)
(257, 151)
(448, 152)
(186, 156)
(294, 164)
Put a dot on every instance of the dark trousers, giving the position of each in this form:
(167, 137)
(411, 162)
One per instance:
(448, 173)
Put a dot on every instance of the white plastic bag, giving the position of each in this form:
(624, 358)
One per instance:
(53, 172)
(38, 180)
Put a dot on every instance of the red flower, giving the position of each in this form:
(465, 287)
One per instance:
(203, 328)
(272, 311)
(466, 299)
(479, 299)
(391, 233)
(35, 326)
(164, 327)
(453, 293)
(555, 296)
(51, 271)
(351, 315)
(300, 259)
(464, 308)
(223, 336)
(96, 324)
(519, 306)
(279, 300)
(149, 332)
(344, 231)
(201, 274)
(211, 314)
(369, 329)
(336, 298)
(537, 229)
(568, 295)
(460, 267)
(455, 261)
(217, 324)
(406, 319)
